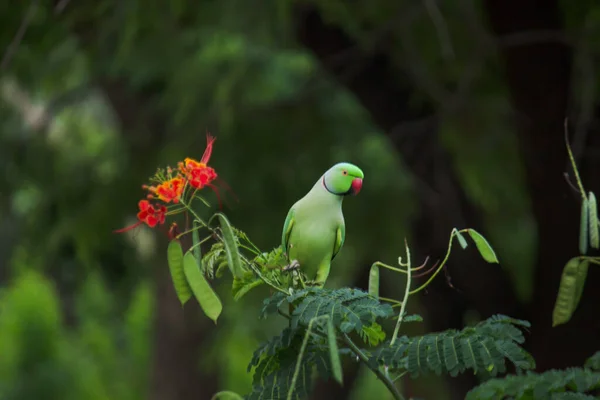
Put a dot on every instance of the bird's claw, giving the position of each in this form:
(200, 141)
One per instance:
(293, 265)
(314, 284)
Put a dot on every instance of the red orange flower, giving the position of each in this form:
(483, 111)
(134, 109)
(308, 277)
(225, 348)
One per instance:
(198, 173)
(149, 214)
(169, 190)
(169, 187)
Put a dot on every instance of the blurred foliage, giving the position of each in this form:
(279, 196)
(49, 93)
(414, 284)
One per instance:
(99, 93)
(41, 358)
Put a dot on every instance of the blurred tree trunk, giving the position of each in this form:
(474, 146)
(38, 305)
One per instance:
(178, 337)
(178, 333)
(375, 83)
(538, 74)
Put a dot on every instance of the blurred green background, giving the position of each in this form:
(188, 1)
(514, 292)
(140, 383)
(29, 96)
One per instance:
(454, 111)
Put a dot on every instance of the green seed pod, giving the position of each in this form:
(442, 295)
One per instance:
(583, 227)
(204, 293)
(582, 271)
(593, 221)
(566, 300)
(374, 281)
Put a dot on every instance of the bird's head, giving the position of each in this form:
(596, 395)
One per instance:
(343, 179)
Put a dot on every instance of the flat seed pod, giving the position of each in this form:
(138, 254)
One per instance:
(204, 293)
(374, 281)
(175, 261)
(233, 256)
(567, 293)
(593, 221)
(583, 227)
(582, 271)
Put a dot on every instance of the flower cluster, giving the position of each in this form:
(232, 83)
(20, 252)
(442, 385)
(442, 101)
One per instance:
(169, 186)
(151, 215)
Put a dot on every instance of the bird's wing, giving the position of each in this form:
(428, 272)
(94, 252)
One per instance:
(340, 236)
(287, 229)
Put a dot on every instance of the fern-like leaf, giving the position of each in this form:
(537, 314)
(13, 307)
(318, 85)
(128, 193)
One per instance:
(572, 383)
(572, 396)
(212, 259)
(372, 334)
(274, 364)
(349, 309)
(272, 304)
(482, 349)
(593, 362)
(244, 284)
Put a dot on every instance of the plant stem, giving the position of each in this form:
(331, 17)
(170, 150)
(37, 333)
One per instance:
(406, 293)
(423, 286)
(592, 260)
(243, 246)
(399, 376)
(577, 178)
(188, 231)
(200, 243)
(395, 302)
(365, 360)
(380, 264)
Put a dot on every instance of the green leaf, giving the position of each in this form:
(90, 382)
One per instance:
(213, 260)
(568, 384)
(298, 370)
(483, 349)
(175, 261)
(593, 362)
(233, 255)
(227, 395)
(483, 246)
(583, 227)
(593, 221)
(461, 239)
(373, 334)
(276, 362)
(349, 309)
(412, 318)
(241, 286)
(207, 298)
(374, 281)
(334, 355)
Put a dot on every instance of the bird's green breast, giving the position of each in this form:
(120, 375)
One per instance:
(317, 216)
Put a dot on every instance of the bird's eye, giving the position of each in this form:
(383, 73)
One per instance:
(345, 172)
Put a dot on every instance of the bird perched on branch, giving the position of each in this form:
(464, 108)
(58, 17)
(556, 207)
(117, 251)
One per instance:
(314, 229)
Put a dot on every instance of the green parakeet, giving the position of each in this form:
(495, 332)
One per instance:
(314, 229)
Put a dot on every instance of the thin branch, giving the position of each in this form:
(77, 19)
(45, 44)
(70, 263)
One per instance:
(422, 274)
(14, 44)
(406, 293)
(440, 27)
(575, 171)
(61, 6)
(365, 360)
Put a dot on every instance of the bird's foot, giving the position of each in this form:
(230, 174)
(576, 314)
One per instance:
(313, 284)
(293, 266)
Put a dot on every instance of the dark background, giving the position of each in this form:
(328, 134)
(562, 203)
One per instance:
(454, 111)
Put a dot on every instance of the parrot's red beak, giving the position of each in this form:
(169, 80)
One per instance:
(356, 186)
